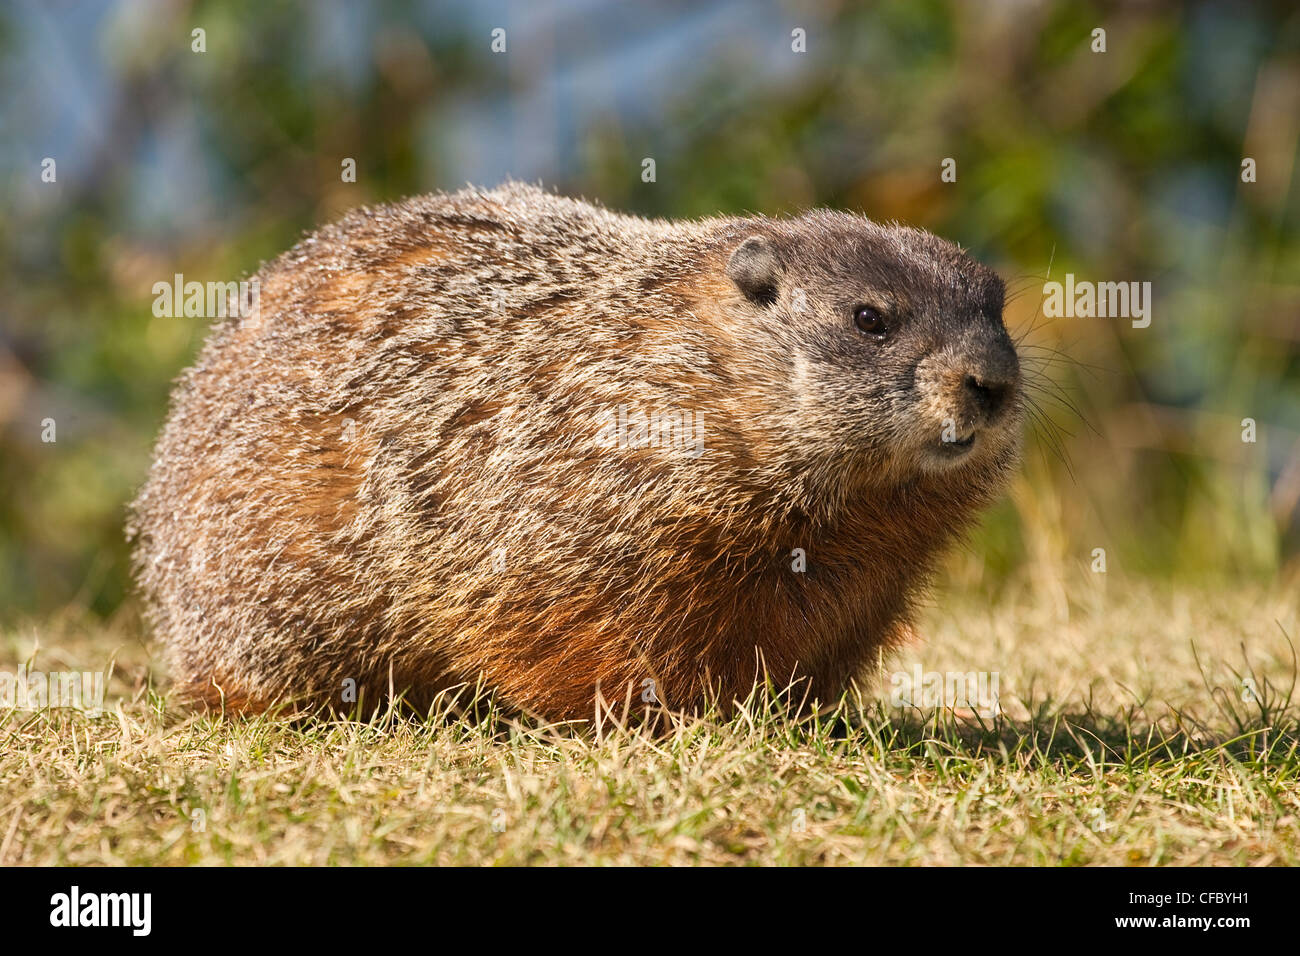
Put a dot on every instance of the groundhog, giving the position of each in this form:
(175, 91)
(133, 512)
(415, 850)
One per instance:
(515, 441)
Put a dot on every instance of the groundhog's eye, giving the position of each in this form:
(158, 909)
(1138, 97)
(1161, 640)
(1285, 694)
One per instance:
(870, 320)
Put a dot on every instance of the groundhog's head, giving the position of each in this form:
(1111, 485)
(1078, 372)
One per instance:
(891, 340)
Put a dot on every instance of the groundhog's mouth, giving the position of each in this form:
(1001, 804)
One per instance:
(957, 446)
(949, 452)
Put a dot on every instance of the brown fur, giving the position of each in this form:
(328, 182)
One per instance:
(478, 342)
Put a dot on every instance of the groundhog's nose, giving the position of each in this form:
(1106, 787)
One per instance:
(989, 395)
(990, 382)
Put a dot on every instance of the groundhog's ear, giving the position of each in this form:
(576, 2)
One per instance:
(756, 270)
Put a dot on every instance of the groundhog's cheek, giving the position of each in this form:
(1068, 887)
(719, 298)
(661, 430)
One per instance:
(822, 402)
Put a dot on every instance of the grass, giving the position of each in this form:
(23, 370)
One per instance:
(1123, 739)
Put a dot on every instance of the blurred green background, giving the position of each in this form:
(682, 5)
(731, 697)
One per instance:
(1115, 166)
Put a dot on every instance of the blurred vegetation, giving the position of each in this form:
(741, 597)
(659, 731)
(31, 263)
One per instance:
(1115, 166)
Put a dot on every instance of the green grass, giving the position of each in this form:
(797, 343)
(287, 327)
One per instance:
(1124, 739)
